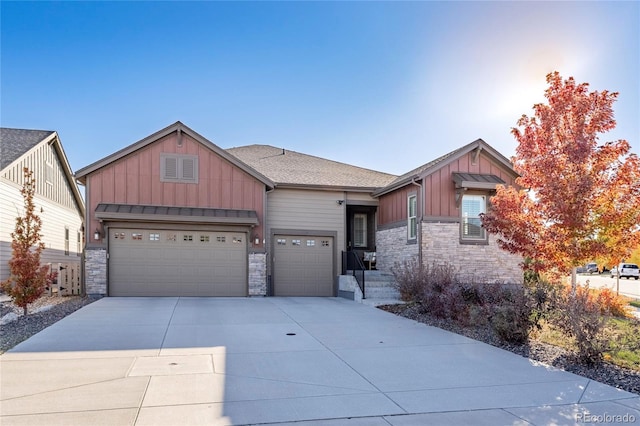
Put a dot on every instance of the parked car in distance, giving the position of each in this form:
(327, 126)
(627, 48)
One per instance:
(626, 270)
(592, 268)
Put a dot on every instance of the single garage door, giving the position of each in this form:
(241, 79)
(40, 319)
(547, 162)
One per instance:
(146, 262)
(303, 266)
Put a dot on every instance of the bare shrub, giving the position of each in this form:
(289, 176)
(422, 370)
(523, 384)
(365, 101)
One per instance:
(511, 317)
(578, 314)
(409, 280)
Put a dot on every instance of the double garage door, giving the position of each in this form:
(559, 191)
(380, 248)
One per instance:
(145, 262)
(303, 265)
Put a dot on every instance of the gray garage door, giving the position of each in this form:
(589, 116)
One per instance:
(146, 262)
(303, 266)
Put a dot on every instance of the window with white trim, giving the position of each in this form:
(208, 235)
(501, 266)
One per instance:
(472, 207)
(178, 168)
(412, 217)
(360, 230)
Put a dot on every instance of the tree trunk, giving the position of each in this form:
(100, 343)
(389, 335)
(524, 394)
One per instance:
(574, 279)
(24, 310)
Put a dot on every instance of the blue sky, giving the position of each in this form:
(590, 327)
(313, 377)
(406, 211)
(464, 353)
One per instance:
(383, 85)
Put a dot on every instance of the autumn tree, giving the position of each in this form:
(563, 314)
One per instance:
(27, 278)
(577, 200)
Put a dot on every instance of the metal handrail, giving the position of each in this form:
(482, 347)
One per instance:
(358, 269)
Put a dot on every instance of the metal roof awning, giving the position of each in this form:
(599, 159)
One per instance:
(476, 181)
(141, 213)
(467, 181)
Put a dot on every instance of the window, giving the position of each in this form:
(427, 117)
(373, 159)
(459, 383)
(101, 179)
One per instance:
(412, 214)
(470, 224)
(311, 243)
(325, 243)
(79, 244)
(295, 242)
(48, 173)
(360, 230)
(282, 241)
(154, 236)
(178, 168)
(136, 236)
(204, 238)
(187, 237)
(221, 239)
(66, 241)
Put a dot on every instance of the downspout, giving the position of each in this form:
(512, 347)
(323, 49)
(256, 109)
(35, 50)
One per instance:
(419, 224)
(267, 243)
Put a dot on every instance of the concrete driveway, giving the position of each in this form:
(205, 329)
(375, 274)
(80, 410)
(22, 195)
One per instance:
(320, 361)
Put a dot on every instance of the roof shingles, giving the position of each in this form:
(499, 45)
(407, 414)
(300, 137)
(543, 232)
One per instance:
(15, 142)
(293, 168)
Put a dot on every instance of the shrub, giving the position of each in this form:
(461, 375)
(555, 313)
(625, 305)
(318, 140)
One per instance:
(511, 314)
(612, 304)
(578, 314)
(409, 280)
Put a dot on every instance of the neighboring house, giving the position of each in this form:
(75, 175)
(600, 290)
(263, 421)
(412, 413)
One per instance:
(175, 215)
(58, 200)
(433, 212)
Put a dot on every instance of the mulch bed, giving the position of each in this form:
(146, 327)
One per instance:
(604, 372)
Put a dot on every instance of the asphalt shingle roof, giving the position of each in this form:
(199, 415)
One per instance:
(289, 167)
(15, 142)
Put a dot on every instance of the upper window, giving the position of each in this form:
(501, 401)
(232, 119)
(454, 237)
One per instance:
(412, 217)
(360, 230)
(66, 241)
(470, 225)
(48, 173)
(178, 168)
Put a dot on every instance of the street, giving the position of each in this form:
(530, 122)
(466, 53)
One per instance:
(628, 287)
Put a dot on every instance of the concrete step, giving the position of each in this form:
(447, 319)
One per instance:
(385, 294)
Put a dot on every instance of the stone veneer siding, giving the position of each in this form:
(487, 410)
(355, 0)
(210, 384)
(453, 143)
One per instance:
(393, 248)
(479, 262)
(95, 272)
(257, 274)
(441, 245)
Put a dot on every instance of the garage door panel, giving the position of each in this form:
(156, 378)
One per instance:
(303, 266)
(176, 263)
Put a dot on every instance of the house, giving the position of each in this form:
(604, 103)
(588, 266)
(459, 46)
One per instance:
(433, 213)
(58, 201)
(175, 215)
(317, 209)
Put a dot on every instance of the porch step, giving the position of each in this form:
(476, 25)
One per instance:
(379, 289)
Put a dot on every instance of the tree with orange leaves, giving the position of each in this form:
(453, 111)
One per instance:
(577, 200)
(28, 278)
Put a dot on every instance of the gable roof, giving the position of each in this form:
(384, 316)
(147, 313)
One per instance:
(14, 143)
(430, 167)
(175, 127)
(293, 169)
